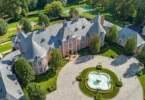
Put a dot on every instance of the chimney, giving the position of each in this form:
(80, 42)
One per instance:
(43, 26)
(19, 27)
(64, 23)
(102, 20)
(75, 16)
(20, 46)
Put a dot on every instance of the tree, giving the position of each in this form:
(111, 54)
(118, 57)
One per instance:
(35, 92)
(64, 2)
(3, 27)
(24, 71)
(17, 15)
(73, 10)
(32, 4)
(112, 35)
(54, 9)
(26, 26)
(43, 19)
(95, 44)
(141, 55)
(24, 13)
(56, 59)
(130, 46)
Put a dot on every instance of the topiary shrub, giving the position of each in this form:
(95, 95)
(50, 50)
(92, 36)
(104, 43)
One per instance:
(99, 67)
(98, 97)
(119, 84)
(79, 78)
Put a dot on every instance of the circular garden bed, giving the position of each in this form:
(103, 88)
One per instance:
(97, 93)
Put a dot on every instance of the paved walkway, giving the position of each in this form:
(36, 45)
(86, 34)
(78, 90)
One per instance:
(125, 68)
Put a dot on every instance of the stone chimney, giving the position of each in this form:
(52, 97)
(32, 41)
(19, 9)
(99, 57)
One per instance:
(20, 46)
(19, 28)
(43, 26)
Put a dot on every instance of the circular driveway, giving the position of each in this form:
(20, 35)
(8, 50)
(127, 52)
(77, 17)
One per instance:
(125, 68)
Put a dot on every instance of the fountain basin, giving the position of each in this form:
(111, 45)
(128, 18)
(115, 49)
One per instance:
(99, 81)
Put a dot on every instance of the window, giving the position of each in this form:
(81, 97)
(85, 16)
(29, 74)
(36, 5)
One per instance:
(41, 69)
(76, 29)
(70, 45)
(39, 63)
(83, 27)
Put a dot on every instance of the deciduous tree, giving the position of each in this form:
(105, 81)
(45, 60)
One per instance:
(141, 55)
(3, 27)
(26, 25)
(43, 19)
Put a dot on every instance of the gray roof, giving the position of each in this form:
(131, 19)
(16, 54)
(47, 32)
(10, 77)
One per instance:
(126, 32)
(9, 82)
(54, 35)
(144, 29)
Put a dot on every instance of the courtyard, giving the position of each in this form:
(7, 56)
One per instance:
(124, 67)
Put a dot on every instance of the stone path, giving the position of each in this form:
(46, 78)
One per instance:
(125, 68)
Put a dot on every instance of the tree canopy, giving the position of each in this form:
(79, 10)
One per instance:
(24, 71)
(26, 25)
(35, 92)
(141, 55)
(54, 9)
(130, 46)
(3, 27)
(43, 19)
(73, 10)
(56, 59)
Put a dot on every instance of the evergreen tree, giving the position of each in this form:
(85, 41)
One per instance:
(24, 71)
(24, 13)
(35, 92)
(130, 46)
(3, 27)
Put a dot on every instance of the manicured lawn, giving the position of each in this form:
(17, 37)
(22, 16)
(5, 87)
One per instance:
(142, 81)
(46, 81)
(112, 92)
(113, 50)
(6, 47)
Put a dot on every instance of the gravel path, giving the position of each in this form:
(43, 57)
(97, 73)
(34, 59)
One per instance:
(125, 68)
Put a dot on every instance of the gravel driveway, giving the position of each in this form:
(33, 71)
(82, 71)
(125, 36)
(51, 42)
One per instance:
(125, 68)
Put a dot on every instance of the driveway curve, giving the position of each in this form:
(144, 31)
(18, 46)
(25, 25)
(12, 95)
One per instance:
(124, 67)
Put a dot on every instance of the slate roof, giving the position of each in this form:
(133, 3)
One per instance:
(127, 32)
(54, 35)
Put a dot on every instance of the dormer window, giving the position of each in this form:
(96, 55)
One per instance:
(76, 29)
(83, 27)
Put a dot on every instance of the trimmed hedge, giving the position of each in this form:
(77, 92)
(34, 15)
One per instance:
(79, 78)
(119, 84)
(99, 67)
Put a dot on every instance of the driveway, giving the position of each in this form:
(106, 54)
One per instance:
(125, 68)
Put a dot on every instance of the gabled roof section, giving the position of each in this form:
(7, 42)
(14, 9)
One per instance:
(34, 50)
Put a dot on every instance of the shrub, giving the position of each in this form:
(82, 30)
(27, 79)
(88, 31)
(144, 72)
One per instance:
(140, 73)
(3, 27)
(79, 78)
(98, 97)
(119, 84)
(51, 88)
(99, 67)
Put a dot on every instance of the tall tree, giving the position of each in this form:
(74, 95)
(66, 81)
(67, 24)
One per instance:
(95, 44)
(35, 92)
(3, 27)
(73, 10)
(54, 9)
(26, 25)
(130, 46)
(32, 4)
(112, 35)
(24, 71)
(56, 59)
(43, 19)
(64, 2)
(141, 55)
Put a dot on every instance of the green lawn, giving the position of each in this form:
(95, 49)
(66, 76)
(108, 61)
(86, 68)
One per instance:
(46, 82)
(112, 92)
(113, 50)
(6, 47)
(142, 81)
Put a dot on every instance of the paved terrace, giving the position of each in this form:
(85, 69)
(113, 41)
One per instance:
(124, 67)
(9, 85)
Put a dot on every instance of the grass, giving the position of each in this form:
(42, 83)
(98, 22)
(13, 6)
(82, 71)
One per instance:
(46, 82)
(5, 47)
(142, 81)
(112, 50)
(112, 92)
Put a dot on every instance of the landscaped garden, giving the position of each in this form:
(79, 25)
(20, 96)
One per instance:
(106, 83)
